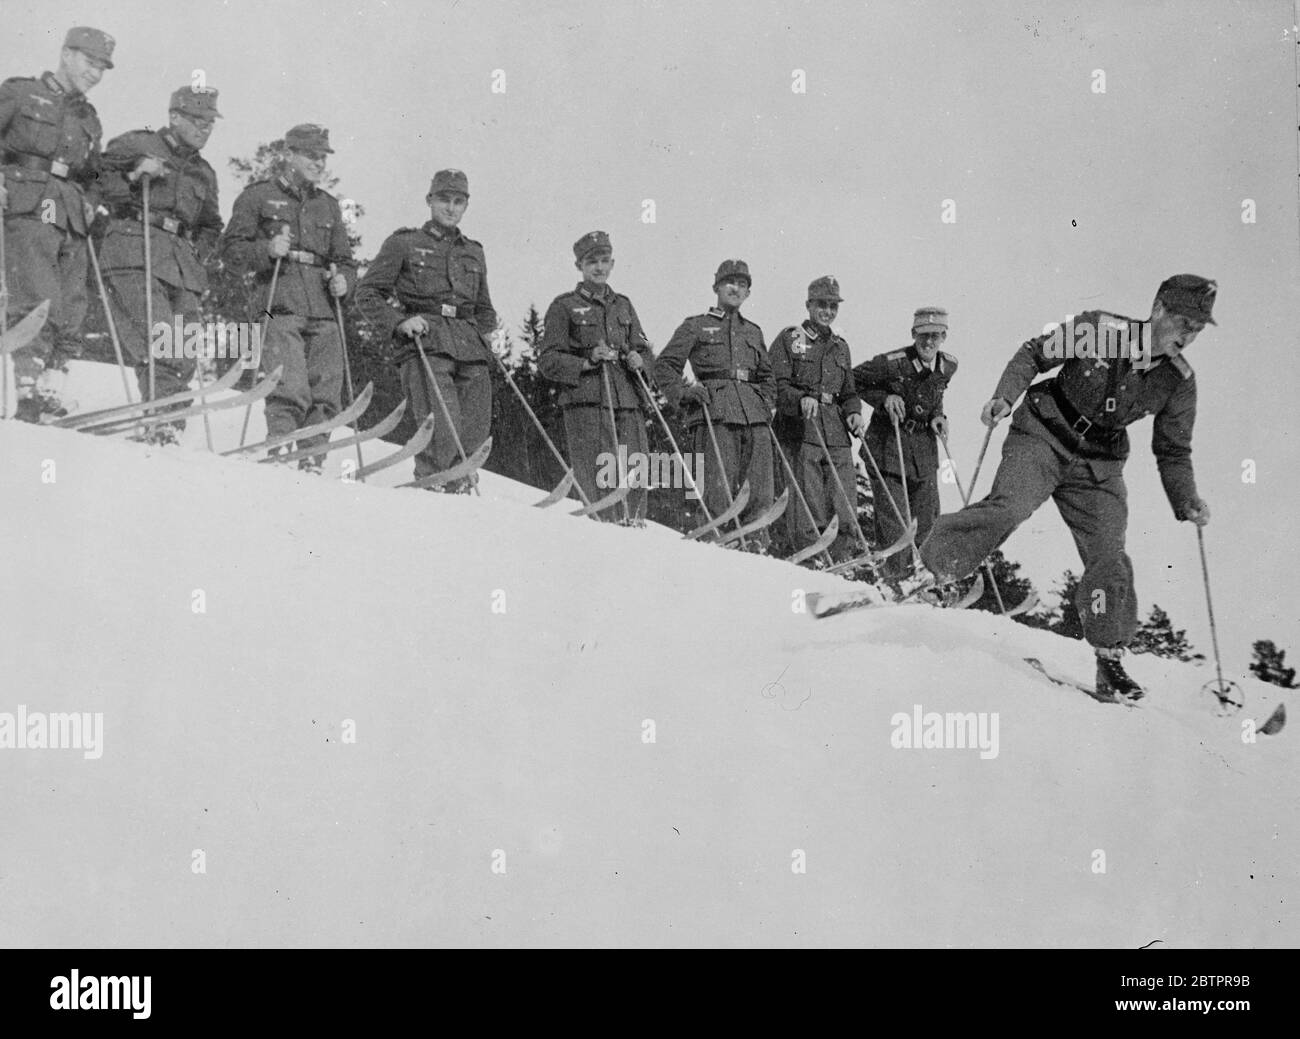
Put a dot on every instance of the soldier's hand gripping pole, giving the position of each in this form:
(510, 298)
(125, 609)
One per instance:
(722, 472)
(442, 405)
(538, 423)
(798, 491)
(347, 364)
(266, 323)
(148, 278)
(853, 505)
(965, 500)
(607, 395)
(686, 469)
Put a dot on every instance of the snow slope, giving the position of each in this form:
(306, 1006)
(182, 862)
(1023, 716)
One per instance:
(498, 665)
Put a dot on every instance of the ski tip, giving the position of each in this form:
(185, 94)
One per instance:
(1276, 721)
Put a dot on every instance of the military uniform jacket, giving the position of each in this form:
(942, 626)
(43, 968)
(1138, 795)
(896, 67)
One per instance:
(1113, 393)
(812, 362)
(440, 275)
(903, 373)
(39, 120)
(315, 226)
(729, 357)
(187, 195)
(578, 321)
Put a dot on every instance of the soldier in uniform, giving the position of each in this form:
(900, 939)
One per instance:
(907, 385)
(186, 224)
(735, 384)
(49, 159)
(590, 334)
(439, 279)
(815, 390)
(1068, 442)
(289, 218)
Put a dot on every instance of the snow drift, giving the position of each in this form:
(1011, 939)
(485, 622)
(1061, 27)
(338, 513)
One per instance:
(337, 714)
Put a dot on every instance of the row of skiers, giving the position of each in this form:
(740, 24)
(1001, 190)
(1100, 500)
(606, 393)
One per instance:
(427, 289)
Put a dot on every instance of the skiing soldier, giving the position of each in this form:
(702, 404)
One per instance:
(815, 394)
(593, 346)
(735, 392)
(439, 279)
(905, 390)
(49, 159)
(288, 224)
(185, 225)
(1068, 442)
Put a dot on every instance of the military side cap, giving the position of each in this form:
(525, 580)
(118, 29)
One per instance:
(308, 137)
(732, 268)
(825, 287)
(202, 103)
(450, 180)
(1189, 295)
(93, 42)
(592, 241)
(930, 319)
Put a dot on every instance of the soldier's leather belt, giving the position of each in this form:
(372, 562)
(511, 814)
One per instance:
(460, 310)
(736, 374)
(1082, 427)
(304, 257)
(914, 425)
(825, 398)
(170, 224)
(38, 162)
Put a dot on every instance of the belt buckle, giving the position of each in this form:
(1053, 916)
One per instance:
(827, 398)
(742, 375)
(1087, 425)
(170, 223)
(1110, 405)
(59, 169)
(448, 310)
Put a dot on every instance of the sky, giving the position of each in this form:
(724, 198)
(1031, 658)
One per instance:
(1065, 198)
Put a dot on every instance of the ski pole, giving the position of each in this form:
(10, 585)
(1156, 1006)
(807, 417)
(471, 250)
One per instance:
(880, 479)
(722, 472)
(607, 395)
(798, 491)
(830, 463)
(979, 462)
(148, 278)
(1222, 689)
(965, 500)
(442, 404)
(902, 479)
(538, 423)
(266, 324)
(347, 366)
(686, 469)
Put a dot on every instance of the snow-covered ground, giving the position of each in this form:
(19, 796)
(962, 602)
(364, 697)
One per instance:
(412, 719)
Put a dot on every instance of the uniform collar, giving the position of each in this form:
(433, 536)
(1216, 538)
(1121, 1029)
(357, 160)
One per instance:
(290, 185)
(919, 365)
(812, 331)
(52, 84)
(718, 312)
(586, 293)
(435, 230)
(173, 142)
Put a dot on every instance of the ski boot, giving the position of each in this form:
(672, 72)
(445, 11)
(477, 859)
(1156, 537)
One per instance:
(277, 454)
(1113, 681)
(165, 434)
(312, 464)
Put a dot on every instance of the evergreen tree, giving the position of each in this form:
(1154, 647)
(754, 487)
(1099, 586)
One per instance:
(1065, 618)
(1012, 586)
(1269, 665)
(1158, 636)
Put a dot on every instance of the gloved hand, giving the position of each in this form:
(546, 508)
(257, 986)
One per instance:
(278, 247)
(895, 407)
(601, 353)
(1197, 512)
(939, 424)
(808, 407)
(995, 411)
(147, 167)
(857, 424)
(697, 393)
(634, 360)
(413, 326)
